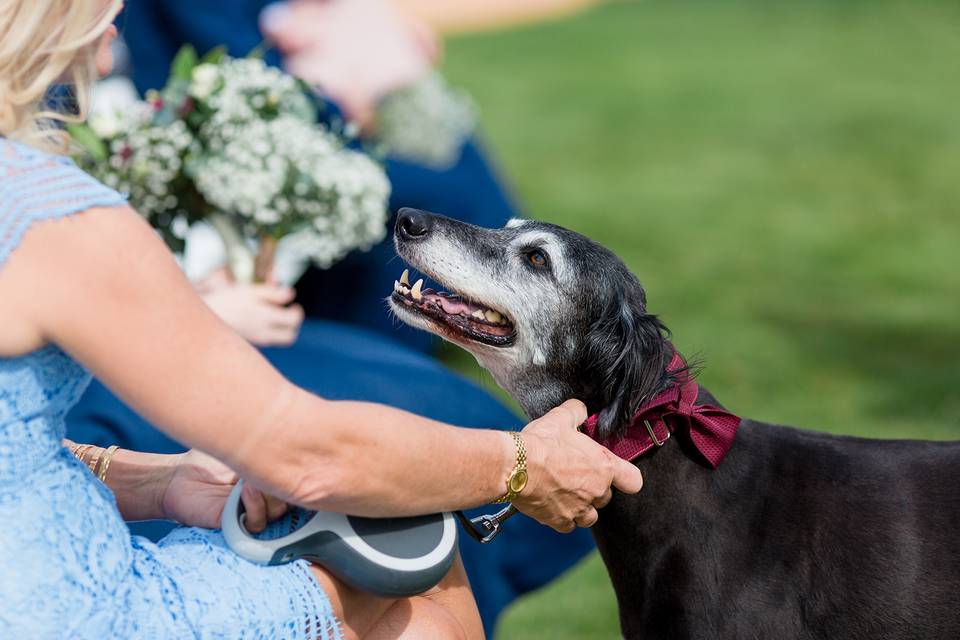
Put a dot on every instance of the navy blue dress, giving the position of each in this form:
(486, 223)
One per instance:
(349, 347)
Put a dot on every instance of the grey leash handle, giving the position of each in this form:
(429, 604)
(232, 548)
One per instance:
(391, 557)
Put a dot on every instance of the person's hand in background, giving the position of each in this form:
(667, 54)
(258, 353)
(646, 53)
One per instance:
(355, 51)
(261, 313)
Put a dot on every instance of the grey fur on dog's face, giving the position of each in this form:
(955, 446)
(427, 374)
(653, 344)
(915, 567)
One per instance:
(580, 326)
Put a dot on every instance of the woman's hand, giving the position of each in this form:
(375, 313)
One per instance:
(258, 312)
(198, 487)
(356, 51)
(570, 475)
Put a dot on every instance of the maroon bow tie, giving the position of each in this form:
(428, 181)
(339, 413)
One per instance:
(711, 429)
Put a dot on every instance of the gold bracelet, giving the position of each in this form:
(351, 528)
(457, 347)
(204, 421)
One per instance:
(94, 461)
(105, 462)
(81, 450)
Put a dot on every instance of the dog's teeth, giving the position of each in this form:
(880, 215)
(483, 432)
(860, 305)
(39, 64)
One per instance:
(416, 290)
(478, 315)
(493, 316)
(396, 285)
(405, 277)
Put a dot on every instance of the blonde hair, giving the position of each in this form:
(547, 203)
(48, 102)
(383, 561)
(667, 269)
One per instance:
(44, 43)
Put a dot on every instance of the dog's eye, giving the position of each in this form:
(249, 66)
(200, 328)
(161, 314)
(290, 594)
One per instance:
(538, 259)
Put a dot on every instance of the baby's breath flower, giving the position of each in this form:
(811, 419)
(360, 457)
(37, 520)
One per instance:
(203, 80)
(427, 121)
(253, 155)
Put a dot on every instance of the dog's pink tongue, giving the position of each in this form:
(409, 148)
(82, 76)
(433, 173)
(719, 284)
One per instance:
(454, 307)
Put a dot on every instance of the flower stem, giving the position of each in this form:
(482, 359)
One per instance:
(240, 258)
(263, 263)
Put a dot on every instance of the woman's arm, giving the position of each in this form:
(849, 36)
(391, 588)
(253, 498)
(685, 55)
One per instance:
(104, 288)
(479, 15)
(138, 480)
(190, 488)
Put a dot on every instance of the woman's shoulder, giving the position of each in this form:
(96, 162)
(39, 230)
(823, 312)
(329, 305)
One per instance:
(36, 185)
(22, 165)
(19, 155)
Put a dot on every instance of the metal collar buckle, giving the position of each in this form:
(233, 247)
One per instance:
(486, 527)
(653, 436)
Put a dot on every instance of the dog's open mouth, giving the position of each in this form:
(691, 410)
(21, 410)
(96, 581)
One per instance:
(454, 315)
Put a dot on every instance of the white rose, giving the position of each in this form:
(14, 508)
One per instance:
(204, 80)
(105, 124)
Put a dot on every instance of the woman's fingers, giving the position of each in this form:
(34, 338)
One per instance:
(603, 500)
(426, 37)
(275, 294)
(588, 518)
(288, 24)
(260, 508)
(279, 327)
(275, 507)
(283, 317)
(274, 337)
(570, 414)
(255, 505)
(626, 476)
(289, 317)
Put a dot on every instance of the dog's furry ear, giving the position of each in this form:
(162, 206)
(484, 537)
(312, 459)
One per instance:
(625, 354)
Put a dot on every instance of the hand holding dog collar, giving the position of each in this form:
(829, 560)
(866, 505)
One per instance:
(569, 474)
(711, 429)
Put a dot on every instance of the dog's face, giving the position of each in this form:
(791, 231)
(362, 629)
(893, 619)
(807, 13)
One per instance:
(550, 313)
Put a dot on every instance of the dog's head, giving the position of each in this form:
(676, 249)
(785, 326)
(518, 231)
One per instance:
(550, 313)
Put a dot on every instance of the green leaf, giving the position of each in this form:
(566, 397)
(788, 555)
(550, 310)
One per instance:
(259, 51)
(183, 63)
(91, 142)
(215, 55)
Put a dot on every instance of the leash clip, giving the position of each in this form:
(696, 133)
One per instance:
(653, 436)
(486, 527)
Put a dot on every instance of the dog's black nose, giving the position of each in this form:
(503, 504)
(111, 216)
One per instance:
(413, 224)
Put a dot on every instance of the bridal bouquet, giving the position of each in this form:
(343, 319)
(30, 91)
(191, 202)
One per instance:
(235, 143)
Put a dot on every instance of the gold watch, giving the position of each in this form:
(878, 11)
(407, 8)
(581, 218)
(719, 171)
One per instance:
(518, 477)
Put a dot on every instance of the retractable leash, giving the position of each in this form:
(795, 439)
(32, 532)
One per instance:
(392, 557)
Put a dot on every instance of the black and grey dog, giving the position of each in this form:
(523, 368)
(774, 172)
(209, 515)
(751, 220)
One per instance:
(797, 534)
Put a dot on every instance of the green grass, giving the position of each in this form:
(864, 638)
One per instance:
(784, 177)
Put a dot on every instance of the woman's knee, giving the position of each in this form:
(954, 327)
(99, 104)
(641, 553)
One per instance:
(445, 611)
(419, 618)
(356, 610)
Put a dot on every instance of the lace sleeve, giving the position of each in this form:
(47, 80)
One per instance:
(38, 186)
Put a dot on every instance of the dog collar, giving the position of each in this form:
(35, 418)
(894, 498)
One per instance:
(710, 428)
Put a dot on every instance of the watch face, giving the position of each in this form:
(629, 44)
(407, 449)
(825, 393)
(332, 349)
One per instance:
(518, 481)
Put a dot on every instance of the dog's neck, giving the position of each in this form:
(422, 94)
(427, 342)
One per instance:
(539, 394)
(539, 390)
(649, 539)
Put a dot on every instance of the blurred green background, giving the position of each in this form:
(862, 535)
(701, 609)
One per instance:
(784, 177)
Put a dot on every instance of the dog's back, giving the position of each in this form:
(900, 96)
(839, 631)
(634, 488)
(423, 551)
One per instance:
(796, 535)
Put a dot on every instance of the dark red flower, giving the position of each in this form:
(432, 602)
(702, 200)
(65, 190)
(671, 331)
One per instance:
(187, 107)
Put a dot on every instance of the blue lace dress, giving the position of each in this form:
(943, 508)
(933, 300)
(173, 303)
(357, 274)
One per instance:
(69, 567)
